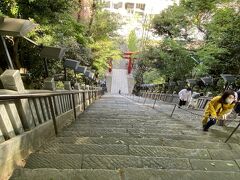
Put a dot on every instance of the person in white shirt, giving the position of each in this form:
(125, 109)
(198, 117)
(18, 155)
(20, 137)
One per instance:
(184, 96)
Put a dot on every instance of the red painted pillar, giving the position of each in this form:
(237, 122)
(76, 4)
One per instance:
(129, 65)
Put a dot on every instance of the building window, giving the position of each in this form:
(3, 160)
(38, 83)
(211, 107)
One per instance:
(129, 5)
(106, 4)
(140, 6)
(118, 5)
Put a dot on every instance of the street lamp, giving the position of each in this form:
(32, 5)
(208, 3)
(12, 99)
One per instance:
(16, 28)
(228, 80)
(70, 63)
(51, 52)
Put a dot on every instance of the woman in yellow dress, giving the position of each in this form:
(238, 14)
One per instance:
(217, 108)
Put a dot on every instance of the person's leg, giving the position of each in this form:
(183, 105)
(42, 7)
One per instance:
(210, 123)
(181, 103)
(204, 120)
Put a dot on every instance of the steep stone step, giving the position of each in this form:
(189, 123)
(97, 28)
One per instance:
(215, 165)
(176, 136)
(143, 143)
(86, 149)
(137, 124)
(136, 130)
(99, 115)
(57, 174)
(58, 161)
(73, 161)
(117, 162)
(132, 122)
(126, 173)
(150, 120)
(143, 174)
(189, 144)
(135, 150)
(142, 125)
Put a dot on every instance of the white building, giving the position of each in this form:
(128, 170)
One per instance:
(136, 13)
(141, 7)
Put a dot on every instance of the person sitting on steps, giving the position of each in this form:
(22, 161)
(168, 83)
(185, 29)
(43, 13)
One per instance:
(184, 96)
(217, 108)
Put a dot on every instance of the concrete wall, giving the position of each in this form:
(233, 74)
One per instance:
(131, 84)
(13, 151)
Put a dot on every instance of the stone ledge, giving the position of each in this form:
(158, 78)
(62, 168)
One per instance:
(13, 151)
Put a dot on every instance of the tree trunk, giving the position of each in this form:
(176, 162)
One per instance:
(15, 56)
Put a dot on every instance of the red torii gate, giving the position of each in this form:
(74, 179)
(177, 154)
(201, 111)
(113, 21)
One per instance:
(110, 65)
(128, 56)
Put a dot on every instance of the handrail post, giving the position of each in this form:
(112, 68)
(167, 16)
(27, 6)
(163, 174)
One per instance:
(139, 97)
(232, 133)
(155, 100)
(173, 110)
(74, 108)
(53, 114)
(84, 101)
(145, 98)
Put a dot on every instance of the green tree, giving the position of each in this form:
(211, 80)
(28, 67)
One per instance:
(172, 22)
(225, 33)
(132, 41)
(102, 51)
(104, 25)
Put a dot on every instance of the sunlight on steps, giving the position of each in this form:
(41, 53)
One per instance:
(119, 81)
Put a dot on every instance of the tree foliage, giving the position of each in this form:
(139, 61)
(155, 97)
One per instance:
(58, 26)
(199, 38)
(132, 41)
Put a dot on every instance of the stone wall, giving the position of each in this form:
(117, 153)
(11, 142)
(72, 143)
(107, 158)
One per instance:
(26, 124)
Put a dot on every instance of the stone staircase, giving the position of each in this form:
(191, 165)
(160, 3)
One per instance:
(116, 138)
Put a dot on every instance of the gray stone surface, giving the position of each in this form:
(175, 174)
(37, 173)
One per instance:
(14, 117)
(39, 110)
(57, 105)
(189, 144)
(77, 86)
(224, 154)
(44, 109)
(150, 174)
(67, 85)
(65, 174)
(115, 133)
(34, 112)
(161, 151)
(2, 139)
(87, 149)
(49, 84)
(166, 163)
(14, 150)
(11, 79)
(5, 123)
(58, 161)
(110, 162)
(214, 165)
(25, 114)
